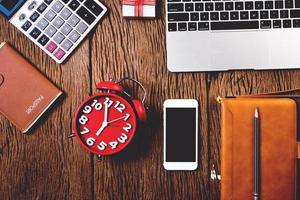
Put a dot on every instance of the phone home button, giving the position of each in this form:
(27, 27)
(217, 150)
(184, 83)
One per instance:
(1, 79)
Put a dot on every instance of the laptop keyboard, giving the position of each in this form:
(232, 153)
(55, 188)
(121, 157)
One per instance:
(205, 15)
(58, 26)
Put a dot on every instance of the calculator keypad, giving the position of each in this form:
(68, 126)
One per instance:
(58, 25)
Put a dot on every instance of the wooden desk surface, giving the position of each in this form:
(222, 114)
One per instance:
(46, 165)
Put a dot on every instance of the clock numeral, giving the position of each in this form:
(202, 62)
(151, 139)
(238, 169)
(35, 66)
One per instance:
(85, 131)
(102, 146)
(87, 109)
(122, 138)
(127, 117)
(90, 141)
(119, 106)
(127, 127)
(108, 102)
(83, 119)
(113, 144)
(96, 105)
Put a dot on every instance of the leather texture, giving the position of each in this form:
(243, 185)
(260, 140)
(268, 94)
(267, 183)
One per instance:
(25, 94)
(278, 129)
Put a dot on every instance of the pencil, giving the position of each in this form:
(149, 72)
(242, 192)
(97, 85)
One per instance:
(256, 193)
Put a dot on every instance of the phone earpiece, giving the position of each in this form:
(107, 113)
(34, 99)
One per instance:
(140, 109)
(109, 85)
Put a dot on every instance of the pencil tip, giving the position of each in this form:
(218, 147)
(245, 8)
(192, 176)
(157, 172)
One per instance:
(256, 113)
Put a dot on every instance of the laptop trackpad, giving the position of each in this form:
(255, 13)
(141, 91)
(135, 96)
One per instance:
(235, 50)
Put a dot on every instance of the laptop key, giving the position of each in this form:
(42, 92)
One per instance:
(268, 4)
(297, 3)
(294, 13)
(189, 7)
(219, 6)
(194, 16)
(259, 5)
(284, 14)
(175, 7)
(265, 24)
(264, 14)
(203, 26)
(276, 23)
(287, 23)
(244, 15)
(214, 16)
(248, 5)
(172, 27)
(192, 26)
(209, 6)
(178, 17)
(234, 15)
(239, 5)
(224, 15)
(199, 7)
(253, 14)
(274, 14)
(94, 7)
(228, 5)
(182, 27)
(296, 23)
(234, 25)
(278, 4)
(289, 4)
(204, 16)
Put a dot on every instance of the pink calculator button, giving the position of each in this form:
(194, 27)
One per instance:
(59, 54)
(51, 47)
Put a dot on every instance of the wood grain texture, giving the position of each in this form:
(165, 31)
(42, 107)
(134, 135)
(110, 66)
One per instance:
(46, 165)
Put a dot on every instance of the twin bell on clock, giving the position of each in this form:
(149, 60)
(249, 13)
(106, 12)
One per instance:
(106, 122)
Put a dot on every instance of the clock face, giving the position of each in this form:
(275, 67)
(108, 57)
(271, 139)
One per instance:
(105, 123)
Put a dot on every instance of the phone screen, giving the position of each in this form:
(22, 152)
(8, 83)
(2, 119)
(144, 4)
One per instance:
(9, 7)
(181, 134)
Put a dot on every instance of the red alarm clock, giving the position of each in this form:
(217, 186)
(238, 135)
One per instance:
(106, 122)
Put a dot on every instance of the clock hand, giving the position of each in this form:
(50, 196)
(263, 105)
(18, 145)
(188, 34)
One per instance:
(116, 119)
(101, 129)
(104, 123)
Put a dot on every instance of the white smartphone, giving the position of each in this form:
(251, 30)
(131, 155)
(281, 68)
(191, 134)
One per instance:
(180, 134)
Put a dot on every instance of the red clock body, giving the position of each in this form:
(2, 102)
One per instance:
(105, 123)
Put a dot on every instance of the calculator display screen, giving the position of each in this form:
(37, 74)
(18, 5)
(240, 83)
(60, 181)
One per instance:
(9, 7)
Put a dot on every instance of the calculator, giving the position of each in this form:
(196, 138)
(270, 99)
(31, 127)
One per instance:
(56, 26)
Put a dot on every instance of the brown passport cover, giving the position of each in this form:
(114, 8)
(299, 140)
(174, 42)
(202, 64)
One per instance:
(278, 129)
(25, 94)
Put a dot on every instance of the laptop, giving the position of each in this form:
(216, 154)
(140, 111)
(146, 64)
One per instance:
(56, 26)
(218, 35)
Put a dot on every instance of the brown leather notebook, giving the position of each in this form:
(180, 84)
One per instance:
(278, 146)
(25, 94)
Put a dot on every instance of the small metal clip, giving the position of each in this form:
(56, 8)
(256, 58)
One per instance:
(214, 174)
(71, 135)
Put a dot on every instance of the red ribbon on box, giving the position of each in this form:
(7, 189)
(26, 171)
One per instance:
(138, 5)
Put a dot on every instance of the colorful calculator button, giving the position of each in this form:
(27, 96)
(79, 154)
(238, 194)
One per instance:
(59, 54)
(51, 47)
